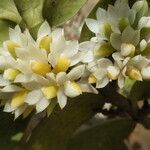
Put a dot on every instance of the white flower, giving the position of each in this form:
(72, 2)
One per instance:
(102, 72)
(37, 73)
(134, 68)
(115, 19)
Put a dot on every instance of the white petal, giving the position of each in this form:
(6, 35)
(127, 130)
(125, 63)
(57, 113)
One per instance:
(104, 63)
(102, 83)
(33, 97)
(23, 78)
(3, 82)
(24, 66)
(146, 73)
(20, 111)
(57, 34)
(42, 105)
(44, 30)
(8, 107)
(71, 48)
(76, 58)
(76, 73)
(115, 40)
(72, 89)
(62, 98)
(22, 53)
(144, 22)
(61, 78)
(87, 46)
(143, 45)
(93, 25)
(11, 88)
(88, 88)
(139, 61)
(130, 35)
(53, 58)
(121, 81)
(14, 34)
(100, 73)
(101, 14)
(88, 57)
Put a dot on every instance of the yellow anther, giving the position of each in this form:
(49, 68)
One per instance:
(18, 99)
(76, 87)
(92, 79)
(10, 74)
(11, 46)
(40, 68)
(62, 64)
(45, 43)
(133, 73)
(50, 92)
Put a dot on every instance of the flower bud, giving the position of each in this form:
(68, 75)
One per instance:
(133, 73)
(113, 72)
(127, 49)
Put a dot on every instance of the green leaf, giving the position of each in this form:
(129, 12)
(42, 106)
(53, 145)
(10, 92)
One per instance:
(140, 91)
(4, 30)
(106, 136)
(9, 129)
(31, 11)
(54, 132)
(58, 12)
(8, 11)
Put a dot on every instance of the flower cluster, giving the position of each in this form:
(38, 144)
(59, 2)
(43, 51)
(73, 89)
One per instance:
(121, 47)
(39, 74)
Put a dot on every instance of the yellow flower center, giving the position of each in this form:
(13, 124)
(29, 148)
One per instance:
(45, 43)
(62, 64)
(50, 92)
(40, 68)
(10, 74)
(76, 87)
(18, 99)
(92, 79)
(11, 46)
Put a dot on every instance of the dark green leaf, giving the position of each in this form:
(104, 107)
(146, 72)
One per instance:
(106, 136)
(58, 12)
(54, 132)
(8, 11)
(4, 27)
(140, 91)
(31, 12)
(9, 129)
